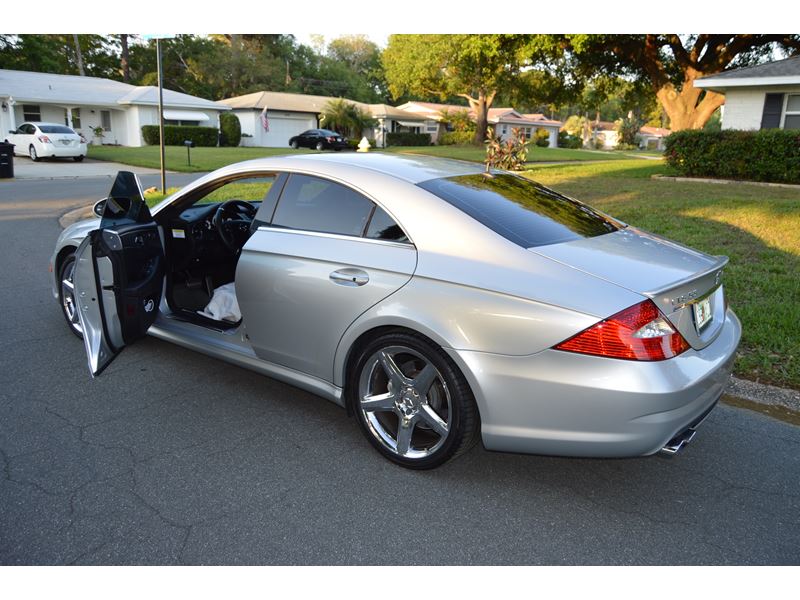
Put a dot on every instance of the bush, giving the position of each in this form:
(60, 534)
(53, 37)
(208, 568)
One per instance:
(175, 135)
(766, 155)
(510, 154)
(566, 140)
(542, 138)
(230, 128)
(456, 138)
(408, 139)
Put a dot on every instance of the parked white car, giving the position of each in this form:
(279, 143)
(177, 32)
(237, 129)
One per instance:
(42, 140)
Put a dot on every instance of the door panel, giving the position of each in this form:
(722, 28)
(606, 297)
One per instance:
(295, 312)
(119, 275)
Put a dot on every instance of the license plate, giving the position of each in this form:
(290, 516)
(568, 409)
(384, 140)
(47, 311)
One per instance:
(66, 142)
(702, 313)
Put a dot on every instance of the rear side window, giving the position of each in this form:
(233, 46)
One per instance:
(520, 210)
(383, 227)
(314, 204)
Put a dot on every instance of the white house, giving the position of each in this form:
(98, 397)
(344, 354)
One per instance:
(502, 120)
(762, 97)
(85, 103)
(652, 138)
(272, 118)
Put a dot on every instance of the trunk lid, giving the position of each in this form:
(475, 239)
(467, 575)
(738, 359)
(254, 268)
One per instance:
(675, 277)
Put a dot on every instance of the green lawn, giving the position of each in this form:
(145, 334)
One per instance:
(203, 159)
(757, 227)
(208, 159)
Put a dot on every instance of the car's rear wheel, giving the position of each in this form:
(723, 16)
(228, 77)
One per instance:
(66, 295)
(412, 402)
(320, 146)
(32, 153)
(77, 158)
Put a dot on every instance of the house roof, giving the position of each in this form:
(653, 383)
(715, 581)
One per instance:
(542, 119)
(27, 86)
(779, 72)
(655, 131)
(307, 103)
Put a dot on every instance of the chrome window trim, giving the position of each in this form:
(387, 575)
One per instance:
(336, 236)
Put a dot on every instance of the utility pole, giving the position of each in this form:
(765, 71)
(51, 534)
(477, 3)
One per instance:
(161, 115)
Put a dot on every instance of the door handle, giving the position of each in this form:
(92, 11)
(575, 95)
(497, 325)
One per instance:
(350, 277)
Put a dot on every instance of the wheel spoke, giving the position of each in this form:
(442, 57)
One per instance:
(378, 402)
(424, 380)
(405, 429)
(433, 420)
(392, 370)
(67, 285)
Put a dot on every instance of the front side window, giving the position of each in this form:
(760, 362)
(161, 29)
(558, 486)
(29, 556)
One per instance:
(313, 204)
(791, 119)
(520, 210)
(31, 112)
(249, 189)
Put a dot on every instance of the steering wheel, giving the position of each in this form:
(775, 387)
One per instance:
(232, 221)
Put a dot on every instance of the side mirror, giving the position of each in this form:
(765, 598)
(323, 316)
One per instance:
(99, 207)
(12, 131)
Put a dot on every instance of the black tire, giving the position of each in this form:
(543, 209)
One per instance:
(320, 146)
(77, 158)
(32, 153)
(294, 145)
(63, 272)
(462, 418)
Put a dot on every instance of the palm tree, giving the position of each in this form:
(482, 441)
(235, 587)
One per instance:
(345, 118)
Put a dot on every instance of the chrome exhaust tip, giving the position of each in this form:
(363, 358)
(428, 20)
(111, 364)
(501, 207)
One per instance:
(672, 447)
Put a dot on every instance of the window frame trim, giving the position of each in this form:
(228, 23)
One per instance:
(785, 112)
(350, 187)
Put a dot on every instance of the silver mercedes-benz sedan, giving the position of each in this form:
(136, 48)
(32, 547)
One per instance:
(435, 302)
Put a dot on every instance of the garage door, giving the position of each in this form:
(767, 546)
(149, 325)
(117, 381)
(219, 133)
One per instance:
(281, 128)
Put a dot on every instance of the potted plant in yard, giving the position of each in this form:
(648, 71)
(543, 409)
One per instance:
(98, 135)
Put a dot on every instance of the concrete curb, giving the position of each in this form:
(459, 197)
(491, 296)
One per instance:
(75, 215)
(789, 186)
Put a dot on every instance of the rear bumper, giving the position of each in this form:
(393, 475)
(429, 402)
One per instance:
(48, 150)
(576, 405)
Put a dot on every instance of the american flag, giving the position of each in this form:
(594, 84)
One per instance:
(265, 119)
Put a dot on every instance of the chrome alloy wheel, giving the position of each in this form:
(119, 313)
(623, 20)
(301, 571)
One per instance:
(68, 303)
(405, 402)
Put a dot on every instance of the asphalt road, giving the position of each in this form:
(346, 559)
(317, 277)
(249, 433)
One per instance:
(172, 458)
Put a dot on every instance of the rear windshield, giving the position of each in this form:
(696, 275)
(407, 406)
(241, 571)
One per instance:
(55, 129)
(520, 210)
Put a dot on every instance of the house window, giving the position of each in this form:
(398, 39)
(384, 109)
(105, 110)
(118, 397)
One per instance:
(181, 122)
(76, 118)
(791, 118)
(432, 127)
(105, 120)
(31, 112)
(505, 129)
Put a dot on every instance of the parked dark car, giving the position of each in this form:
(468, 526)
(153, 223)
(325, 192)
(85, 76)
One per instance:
(321, 139)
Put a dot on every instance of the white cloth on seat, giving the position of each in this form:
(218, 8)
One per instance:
(223, 305)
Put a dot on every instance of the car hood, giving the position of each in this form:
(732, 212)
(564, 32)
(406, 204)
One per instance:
(78, 230)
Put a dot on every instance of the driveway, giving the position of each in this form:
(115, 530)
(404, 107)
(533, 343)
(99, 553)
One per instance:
(59, 168)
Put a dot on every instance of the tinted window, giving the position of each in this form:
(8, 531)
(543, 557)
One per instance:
(314, 204)
(125, 203)
(520, 210)
(328, 132)
(383, 227)
(55, 129)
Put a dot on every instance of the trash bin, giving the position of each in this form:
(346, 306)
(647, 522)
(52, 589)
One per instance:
(6, 160)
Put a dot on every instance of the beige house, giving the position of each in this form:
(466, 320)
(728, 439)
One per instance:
(270, 119)
(762, 97)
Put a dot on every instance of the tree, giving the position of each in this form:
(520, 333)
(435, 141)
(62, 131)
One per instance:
(473, 67)
(668, 63)
(345, 118)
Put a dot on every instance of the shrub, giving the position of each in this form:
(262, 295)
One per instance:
(401, 138)
(175, 135)
(541, 138)
(456, 138)
(510, 155)
(230, 128)
(766, 155)
(565, 140)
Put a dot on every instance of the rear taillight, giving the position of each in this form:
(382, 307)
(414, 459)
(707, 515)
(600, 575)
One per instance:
(330, 139)
(83, 139)
(44, 139)
(640, 332)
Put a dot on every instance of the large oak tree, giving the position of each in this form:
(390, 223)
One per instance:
(669, 63)
(473, 67)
